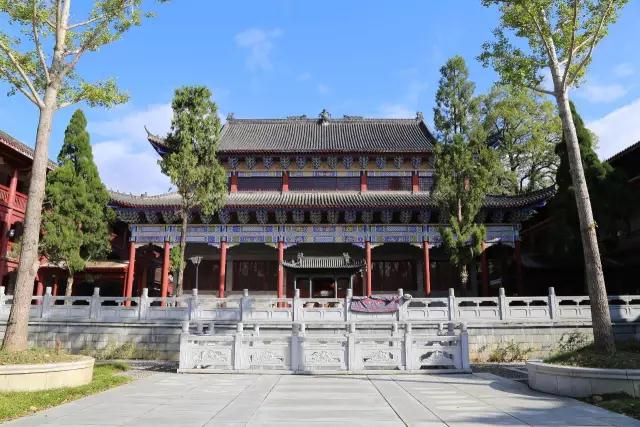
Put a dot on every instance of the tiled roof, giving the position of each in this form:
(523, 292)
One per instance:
(303, 135)
(327, 200)
(624, 152)
(20, 147)
(321, 262)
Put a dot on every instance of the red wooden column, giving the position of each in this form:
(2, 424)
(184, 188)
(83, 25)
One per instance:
(367, 249)
(518, 258)
(166, 264)
(280, 269)
(285, 181)
(130, 273)
(234, 182)
(39, 288)
(223, 269)
(415, 182)
(8, 221)
(363, 181)
(54, 291)
(485, 271)
(427, 268)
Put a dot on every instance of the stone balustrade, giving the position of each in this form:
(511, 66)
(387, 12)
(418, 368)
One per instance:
(247, 308)
(350, 348)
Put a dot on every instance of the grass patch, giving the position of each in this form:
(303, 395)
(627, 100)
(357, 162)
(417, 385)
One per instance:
(627, 356)
(20, 403)
(126, 351)
(36, 356)
(620, 403)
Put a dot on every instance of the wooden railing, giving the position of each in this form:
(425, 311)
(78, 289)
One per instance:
(19, 201)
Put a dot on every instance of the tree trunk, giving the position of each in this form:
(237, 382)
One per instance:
(601, 318)
(183, 247)
(15, 336)
(68, 290)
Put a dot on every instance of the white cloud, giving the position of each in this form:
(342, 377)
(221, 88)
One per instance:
(624, 70)
(260, 44)
(396, 111)
(124, 157)
(618, 129)
(597, 93)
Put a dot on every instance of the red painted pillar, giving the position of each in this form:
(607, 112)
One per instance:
(223, 269)
(130, 273)
(415, 182)
(285, 182)
(39, 289)
(367, 248)
(143, 281)
(234, 182)
(485, 271)
(280, 269)
(166, 265)
(8, 221)
(427, 268)
(363, 181)
(54, 291)
(518, 256)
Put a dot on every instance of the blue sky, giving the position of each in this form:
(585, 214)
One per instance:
(285, 57)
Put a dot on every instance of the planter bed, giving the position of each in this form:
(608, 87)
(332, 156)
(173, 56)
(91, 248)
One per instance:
(46, 376)
(582, 382)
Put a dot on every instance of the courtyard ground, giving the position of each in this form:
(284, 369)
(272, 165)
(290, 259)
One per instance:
(166, 399)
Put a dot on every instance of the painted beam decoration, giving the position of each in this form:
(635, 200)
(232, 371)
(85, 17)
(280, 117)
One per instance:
(357, 234)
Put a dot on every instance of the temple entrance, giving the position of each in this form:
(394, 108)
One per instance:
(323, 277)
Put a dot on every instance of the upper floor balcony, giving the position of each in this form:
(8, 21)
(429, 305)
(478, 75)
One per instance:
(19, 202)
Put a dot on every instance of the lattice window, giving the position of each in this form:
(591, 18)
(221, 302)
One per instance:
(260, 183)
(324, 183)
(389, 183)
(425, 183)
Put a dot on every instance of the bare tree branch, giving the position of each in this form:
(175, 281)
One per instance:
(594, 41)
(17, 84)
(36, 39)
(573, 41)
(35, 97)
(541, 90)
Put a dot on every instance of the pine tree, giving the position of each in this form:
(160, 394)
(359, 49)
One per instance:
(191, 162)
(76, 217)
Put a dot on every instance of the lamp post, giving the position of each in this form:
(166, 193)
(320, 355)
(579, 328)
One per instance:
(195, 260)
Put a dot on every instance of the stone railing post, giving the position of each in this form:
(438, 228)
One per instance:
(347, 304)
(46, 302)
(502, 304)
(95, 305)
(143, 304)
(296, 307)
(452, 304)
(193, 305)
(245, 305)
(402, 309)
(353, 362)
(3, 299)
(184, 341)
(238, 352)
(464, 348)
(553, 304)
(408, 347)
(294, 350)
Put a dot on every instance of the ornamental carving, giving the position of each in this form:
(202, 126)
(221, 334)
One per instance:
(250, 162)
(267, 162)
(262, 216)
(424, 216)
(224, 216)
(437, 358)
(151, 217)
(332, 162)
(416, 162)
(266, 357)
(386, 216)
(333, 217)
(206, 358)
(324, 357)
(206, 219)
(243, 216)
(379, 356)
(316, 162)
(364, 161)
(522, 214)
(350, 217)
(285, 162)
(381, 162)
(398, 161)
(281, 216)
(367, 217)
(233, 162)
(298, 216)
(128, 216)
(301, 162)
(315, 217)
(347, 162)
(405, 216)
(497, 215)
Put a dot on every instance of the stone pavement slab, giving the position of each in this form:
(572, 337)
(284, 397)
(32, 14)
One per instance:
(235, 400)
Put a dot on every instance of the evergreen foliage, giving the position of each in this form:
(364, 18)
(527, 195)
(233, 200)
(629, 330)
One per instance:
(76, 217)
(191, 161)
(607, 187)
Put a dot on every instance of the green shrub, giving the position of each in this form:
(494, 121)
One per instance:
(125, 351)
(512, 352)
(573, 341)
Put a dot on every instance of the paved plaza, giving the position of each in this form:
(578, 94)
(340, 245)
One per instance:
(165, 399)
